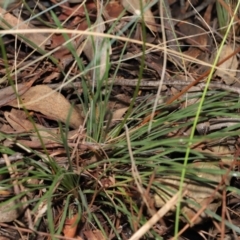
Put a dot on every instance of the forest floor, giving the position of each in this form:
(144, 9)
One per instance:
(119, 119)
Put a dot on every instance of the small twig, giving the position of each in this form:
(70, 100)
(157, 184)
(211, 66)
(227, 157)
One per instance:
(12, 174)
(18, 188)
(150, 84)
(167, 21)
(193, 12)
(134, 169)
(154, 219)
(209, 201)
(164, 66)
(13, 158)
(30, 231)
(205, 127)
(221, 125)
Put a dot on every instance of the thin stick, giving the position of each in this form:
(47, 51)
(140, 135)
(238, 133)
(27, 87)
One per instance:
(159, 214)
(205, 74)
(150, 84)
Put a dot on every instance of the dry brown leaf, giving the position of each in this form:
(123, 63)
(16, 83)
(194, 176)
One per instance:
(94, 235)
(102, 49)
(196, 37)
(50, 137)
(38, 39)
(134, 7)
(224, 153)
(227, 70)
(193, 53)
(9, 4)
(52, 104)
(9, 212)
(17, 119)
(113, 9)
(63, 54)
(117, 115)
(50, 77)
(195, 34)
(70, 226)
(5, 128)
(34, 144)
(40, 211)
(4, 238)
(197, 191)
(75, 10)
(8, 94)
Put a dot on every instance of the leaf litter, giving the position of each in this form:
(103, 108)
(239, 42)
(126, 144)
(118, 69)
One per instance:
(65, 99)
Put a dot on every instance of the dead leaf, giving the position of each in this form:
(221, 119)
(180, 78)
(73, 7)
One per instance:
(94, 235)
(195, 35)
(224, 153)
(9, 212)
(52, 104)
(17, 119)
(5, 128)
(41, 210)
(97, 49)
(198, 191)
(64, 54)
(113, 9)
(8, 94)
(70, 226)
(134, 7)
(76, 10)
(227, 70)
(117, 115)
(50, 77)
(39, 39)
(4, 238)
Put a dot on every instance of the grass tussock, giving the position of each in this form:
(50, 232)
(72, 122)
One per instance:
(89, 154)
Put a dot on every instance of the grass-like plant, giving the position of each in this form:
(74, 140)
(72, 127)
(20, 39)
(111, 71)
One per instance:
(110, 173)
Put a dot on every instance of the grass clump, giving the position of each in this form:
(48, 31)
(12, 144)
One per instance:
(139, 150)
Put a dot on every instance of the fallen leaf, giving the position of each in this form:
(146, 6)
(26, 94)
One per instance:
(196, 37)
(134, 7)
(113, 9)
(5, 128)
(70, 226)
(9, 93)
(97, 49)
(50, 103)
(227, 70)
(76, 10)
(17, 119)
(41, 210)
(117, 115)
(9, 4)
(94, 235)
(9, 212)
(39, 39)
(50, 77)
(63, 53)
(224, 153)
(198, 191)
(4, 238)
